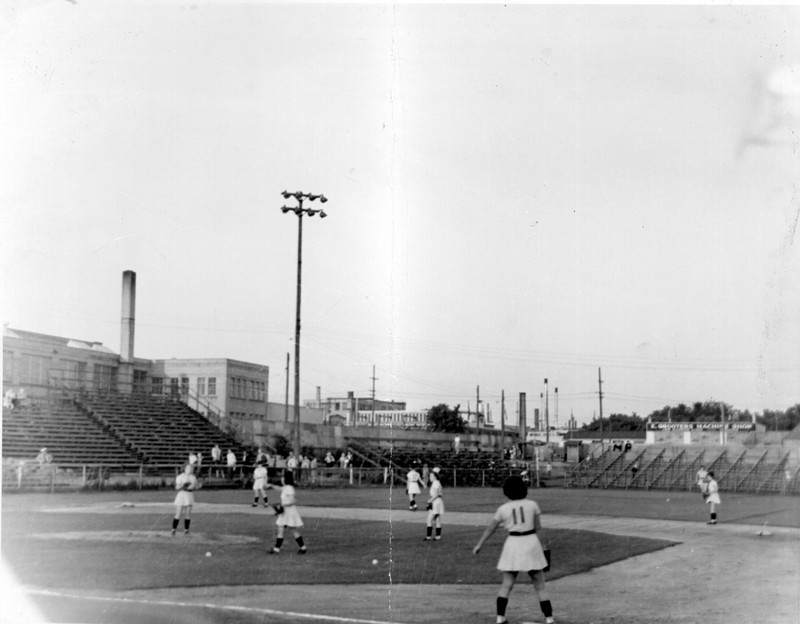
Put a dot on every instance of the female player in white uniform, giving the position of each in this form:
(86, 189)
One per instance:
(186, 484)
(412, 478)
(712, 489)
(522, 551)
(435, 506)
(260, 484)
(288, 515)
(702, 481)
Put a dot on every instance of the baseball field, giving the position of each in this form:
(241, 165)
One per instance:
(618, 556)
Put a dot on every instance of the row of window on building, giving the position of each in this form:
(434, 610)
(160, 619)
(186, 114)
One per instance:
(403, 418)
(37, 371)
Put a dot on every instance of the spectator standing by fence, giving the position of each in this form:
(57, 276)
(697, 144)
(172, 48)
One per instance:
(291, 462)
(10, 399)
(231, 463)
(44, 457)
(329, 462)
(216, 458)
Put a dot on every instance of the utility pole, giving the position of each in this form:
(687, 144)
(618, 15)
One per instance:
(373, 393)
(556, 407)
(502, 424)
(546, 412)
(522, 425)
(477, 406)
(600, 391)
(540, 420)
(286, 404)
(724, 432)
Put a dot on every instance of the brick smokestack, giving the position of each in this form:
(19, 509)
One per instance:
(128, 315)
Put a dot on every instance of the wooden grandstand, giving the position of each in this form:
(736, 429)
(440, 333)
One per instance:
(737, 468)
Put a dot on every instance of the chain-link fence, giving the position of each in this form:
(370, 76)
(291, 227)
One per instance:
(31, 476)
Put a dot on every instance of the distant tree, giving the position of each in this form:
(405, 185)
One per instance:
(617, 422)
(776, 420)
(282, 446)
(442, 418)
(708, 411)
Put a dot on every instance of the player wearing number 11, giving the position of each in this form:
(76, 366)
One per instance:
(522, 551)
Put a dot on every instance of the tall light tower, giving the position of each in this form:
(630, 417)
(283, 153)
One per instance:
(300, 212)
(546, 412)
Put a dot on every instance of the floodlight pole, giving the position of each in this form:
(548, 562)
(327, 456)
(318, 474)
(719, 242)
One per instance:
(300, 212)
(546, 413)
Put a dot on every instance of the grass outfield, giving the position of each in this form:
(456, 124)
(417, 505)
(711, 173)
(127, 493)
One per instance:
(121, 552)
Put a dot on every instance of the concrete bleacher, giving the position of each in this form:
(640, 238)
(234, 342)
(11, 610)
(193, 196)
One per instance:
(112, 429)
(160, 429)
(67, 432)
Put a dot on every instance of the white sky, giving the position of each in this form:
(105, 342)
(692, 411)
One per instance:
(515, 192)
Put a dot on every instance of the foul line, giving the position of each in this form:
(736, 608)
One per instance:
(172, 603)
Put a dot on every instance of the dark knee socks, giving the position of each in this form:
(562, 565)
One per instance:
(502, 603)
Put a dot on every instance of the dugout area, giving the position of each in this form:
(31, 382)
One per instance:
(109, 557)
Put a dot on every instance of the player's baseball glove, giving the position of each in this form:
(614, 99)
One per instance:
(278, 509)
(429, 506)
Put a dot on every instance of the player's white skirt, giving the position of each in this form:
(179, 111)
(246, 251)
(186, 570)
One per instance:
(259, 484)
(290, 517)
(438, 506)
(713, 498)
(184, 498)
(413, 487)
(522, 553)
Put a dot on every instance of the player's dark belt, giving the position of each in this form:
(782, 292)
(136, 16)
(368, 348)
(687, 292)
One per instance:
(518, 533)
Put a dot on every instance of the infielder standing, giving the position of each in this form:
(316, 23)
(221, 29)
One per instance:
(522, 551)
(412, 479)
(260, 484)
(712, 489)
(185, 483)
(702, 481)
(435, 507)
(288, 516)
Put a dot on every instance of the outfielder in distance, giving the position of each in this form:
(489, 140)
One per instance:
(412, 480)
(522, 551)
(435, 507)
(712, 496)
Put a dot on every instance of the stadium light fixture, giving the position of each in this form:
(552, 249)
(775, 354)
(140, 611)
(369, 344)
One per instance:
(300, 212)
